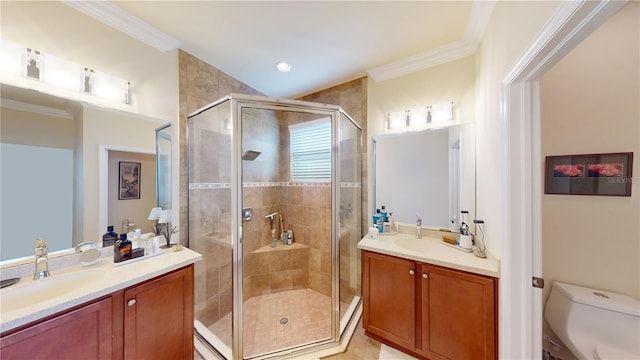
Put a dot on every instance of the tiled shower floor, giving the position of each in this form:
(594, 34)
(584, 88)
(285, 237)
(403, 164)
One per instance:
(308, 315)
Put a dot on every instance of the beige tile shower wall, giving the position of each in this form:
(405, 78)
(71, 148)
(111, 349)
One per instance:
(352, 97)
(200, 84)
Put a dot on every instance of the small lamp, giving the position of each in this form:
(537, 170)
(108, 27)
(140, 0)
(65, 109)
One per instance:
(154, 215)
(166, 217)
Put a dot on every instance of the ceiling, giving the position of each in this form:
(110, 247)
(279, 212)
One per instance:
(326, 42)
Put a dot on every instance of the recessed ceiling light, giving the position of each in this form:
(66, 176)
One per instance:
(283, 67)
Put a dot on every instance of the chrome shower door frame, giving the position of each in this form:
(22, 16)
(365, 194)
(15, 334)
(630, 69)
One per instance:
(238, 102)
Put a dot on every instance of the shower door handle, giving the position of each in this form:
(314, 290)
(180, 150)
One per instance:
(247, 214)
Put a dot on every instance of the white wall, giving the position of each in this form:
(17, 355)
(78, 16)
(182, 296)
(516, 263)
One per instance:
(590, 105)
(512, 28)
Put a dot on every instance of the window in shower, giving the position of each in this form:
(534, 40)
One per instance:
(311, 150)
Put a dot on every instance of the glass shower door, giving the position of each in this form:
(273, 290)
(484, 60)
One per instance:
(287, 287)
(350, 192)
(210, 224)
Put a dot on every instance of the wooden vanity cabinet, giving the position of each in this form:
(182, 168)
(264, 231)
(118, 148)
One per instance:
(389, 295)
(158, 318)
(81, 333)
(151, 320)
(429, 311)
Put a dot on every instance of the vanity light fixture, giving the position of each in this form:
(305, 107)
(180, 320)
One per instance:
(111, 88)
(61, 74)
(420, 118)
(88, 80)
(397, 120)
(32, 64)
(283, 67)
(442, 113)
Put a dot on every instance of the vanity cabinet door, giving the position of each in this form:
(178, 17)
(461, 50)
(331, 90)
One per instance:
(388, 286)
(158, 317)
(459, 314)
(83, 333)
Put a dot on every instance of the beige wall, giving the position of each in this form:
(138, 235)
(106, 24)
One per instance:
(57, 29)
(511, 30)
(590, 105)
(107, 128)
(22, 127)
(453, 81)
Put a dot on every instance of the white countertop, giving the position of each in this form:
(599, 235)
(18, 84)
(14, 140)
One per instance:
(432, 251)
(112, 278)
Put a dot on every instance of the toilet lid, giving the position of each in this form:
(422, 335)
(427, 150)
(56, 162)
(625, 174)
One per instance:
(600, 298)
(603, 352)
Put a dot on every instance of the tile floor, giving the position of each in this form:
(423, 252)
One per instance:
(308, 315)
(361, 347)
(307, 323)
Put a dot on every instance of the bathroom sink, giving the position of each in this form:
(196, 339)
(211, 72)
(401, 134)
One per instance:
(36, 291)
(417, 245)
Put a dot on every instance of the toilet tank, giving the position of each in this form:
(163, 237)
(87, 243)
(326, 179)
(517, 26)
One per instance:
(589, 319)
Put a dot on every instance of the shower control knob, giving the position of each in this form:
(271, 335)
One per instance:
(411, 272)
(425, 276)
(131, 302)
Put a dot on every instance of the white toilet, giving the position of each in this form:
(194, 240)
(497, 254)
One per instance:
(594, 324)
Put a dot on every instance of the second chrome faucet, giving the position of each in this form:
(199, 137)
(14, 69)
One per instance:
(42, 257)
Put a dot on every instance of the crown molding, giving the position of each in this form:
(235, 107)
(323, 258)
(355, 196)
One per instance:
(450, 52)
(37, 109)
(112, 15)
(477, 21)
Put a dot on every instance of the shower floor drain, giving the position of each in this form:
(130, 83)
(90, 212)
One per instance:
(284, 321)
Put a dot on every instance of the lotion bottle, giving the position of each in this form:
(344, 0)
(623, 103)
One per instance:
(392, 222)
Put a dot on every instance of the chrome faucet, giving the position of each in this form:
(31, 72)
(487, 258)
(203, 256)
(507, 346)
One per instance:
(42, 265)
(418, 227)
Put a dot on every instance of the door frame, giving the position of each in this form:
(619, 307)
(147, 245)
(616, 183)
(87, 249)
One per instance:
(520, 303)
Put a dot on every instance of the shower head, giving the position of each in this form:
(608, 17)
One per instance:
(250, 155)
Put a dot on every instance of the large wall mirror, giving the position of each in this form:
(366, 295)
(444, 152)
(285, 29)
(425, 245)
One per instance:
(429, 173)
(63, 164)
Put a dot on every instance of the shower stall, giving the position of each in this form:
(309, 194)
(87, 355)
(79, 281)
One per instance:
(275, 209)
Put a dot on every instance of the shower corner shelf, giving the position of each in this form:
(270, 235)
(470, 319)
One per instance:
(280, 247)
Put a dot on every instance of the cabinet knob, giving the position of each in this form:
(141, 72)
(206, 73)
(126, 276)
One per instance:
(425, 276)
(131, 302)
(411, 272)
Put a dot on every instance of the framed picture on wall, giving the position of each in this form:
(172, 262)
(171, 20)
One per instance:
(589, 174)
(129, 180)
